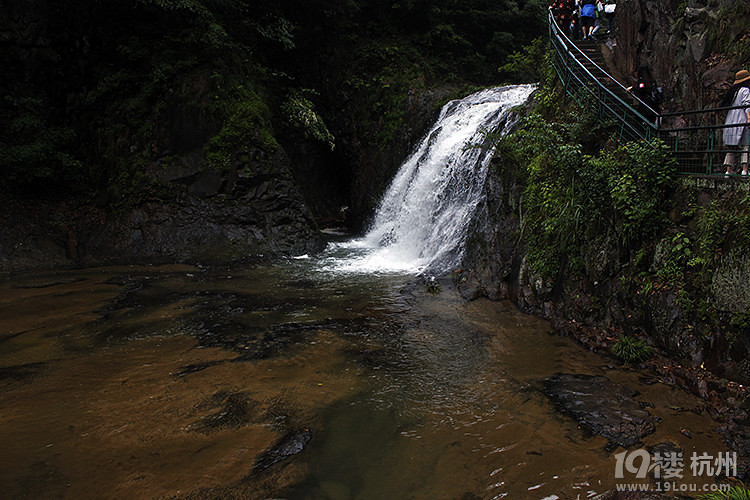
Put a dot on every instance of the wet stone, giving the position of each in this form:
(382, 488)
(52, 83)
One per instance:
(230, 411)
(601, 407)
(11, 375)
(664, 449)
(290, 445)
(197, 367)
(48, 284)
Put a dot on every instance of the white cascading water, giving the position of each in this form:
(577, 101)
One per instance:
(423, 218)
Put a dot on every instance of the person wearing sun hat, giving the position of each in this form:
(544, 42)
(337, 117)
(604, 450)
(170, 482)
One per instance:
(738, 135)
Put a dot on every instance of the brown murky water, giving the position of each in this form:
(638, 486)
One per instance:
(171, 382)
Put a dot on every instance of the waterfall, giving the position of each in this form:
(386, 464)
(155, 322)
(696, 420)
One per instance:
(422, 220)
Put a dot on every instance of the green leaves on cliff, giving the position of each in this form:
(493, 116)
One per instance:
(529, 65)
(102, 91)
(300, 113)
(246, 128)
(641, 177)
(32, 150)
(571, 197)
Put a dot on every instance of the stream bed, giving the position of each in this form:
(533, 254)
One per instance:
(181, 381)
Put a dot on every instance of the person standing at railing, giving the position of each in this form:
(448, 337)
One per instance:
(609, 11)
(574, 29)
(648, 93)
(738, 136)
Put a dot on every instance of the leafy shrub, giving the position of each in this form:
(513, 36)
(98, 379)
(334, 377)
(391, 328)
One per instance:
(531, 64)
(641, 178)
(32, 149)
(571, 196)
(734, 493)
(631, 350)
(248, 125)
(300, 113)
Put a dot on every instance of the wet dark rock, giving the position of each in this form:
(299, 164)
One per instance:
(226, 329)
(197, 367)
(371, 165)
(234, 410)
(291, 444)
(664, 449)
(125, 281)
(200, 215)
(737, 437)
(601, 407)
(48, 284)
(24, 244)
(10, 375)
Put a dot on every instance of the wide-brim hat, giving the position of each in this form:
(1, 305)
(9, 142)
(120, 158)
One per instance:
(741, 76)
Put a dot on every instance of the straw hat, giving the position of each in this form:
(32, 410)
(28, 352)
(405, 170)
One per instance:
(741, 76)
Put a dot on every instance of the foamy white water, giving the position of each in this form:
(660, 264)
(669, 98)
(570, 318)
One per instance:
(422, 220)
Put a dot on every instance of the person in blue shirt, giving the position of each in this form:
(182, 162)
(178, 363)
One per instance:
(588, 18)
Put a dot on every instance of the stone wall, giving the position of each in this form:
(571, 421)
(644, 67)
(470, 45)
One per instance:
(693, 48)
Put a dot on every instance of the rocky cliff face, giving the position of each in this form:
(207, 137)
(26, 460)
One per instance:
(604, 299)
(199, 163)
(694, 48)
(167, 200)
(211, 215)
(374, 164)
(203, 215)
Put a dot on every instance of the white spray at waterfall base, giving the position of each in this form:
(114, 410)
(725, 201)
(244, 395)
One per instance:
(423, 218)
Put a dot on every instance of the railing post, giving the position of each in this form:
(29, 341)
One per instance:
(711, 142)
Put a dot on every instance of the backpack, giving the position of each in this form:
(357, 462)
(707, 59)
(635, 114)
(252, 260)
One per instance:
(588, 10)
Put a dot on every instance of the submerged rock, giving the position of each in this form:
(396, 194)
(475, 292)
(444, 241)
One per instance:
(290, 445)
(601, 407)
(231, 411)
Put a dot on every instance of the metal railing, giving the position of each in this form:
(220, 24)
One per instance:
(586, 82)
(694, 137)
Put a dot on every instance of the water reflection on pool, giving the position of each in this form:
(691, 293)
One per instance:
(171, 382)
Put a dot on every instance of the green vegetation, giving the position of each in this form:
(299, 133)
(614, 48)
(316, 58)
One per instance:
(689, 263)
(631, 350)
(530, 65)
(248, 125)
(734, 493)
(31, 149)
(571, 197)
(300, 113)
(593, 209)
(115, 87)
(433, 286)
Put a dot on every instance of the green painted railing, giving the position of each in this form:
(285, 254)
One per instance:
(695, 137)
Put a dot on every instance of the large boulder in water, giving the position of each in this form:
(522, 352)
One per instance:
(601, 407)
